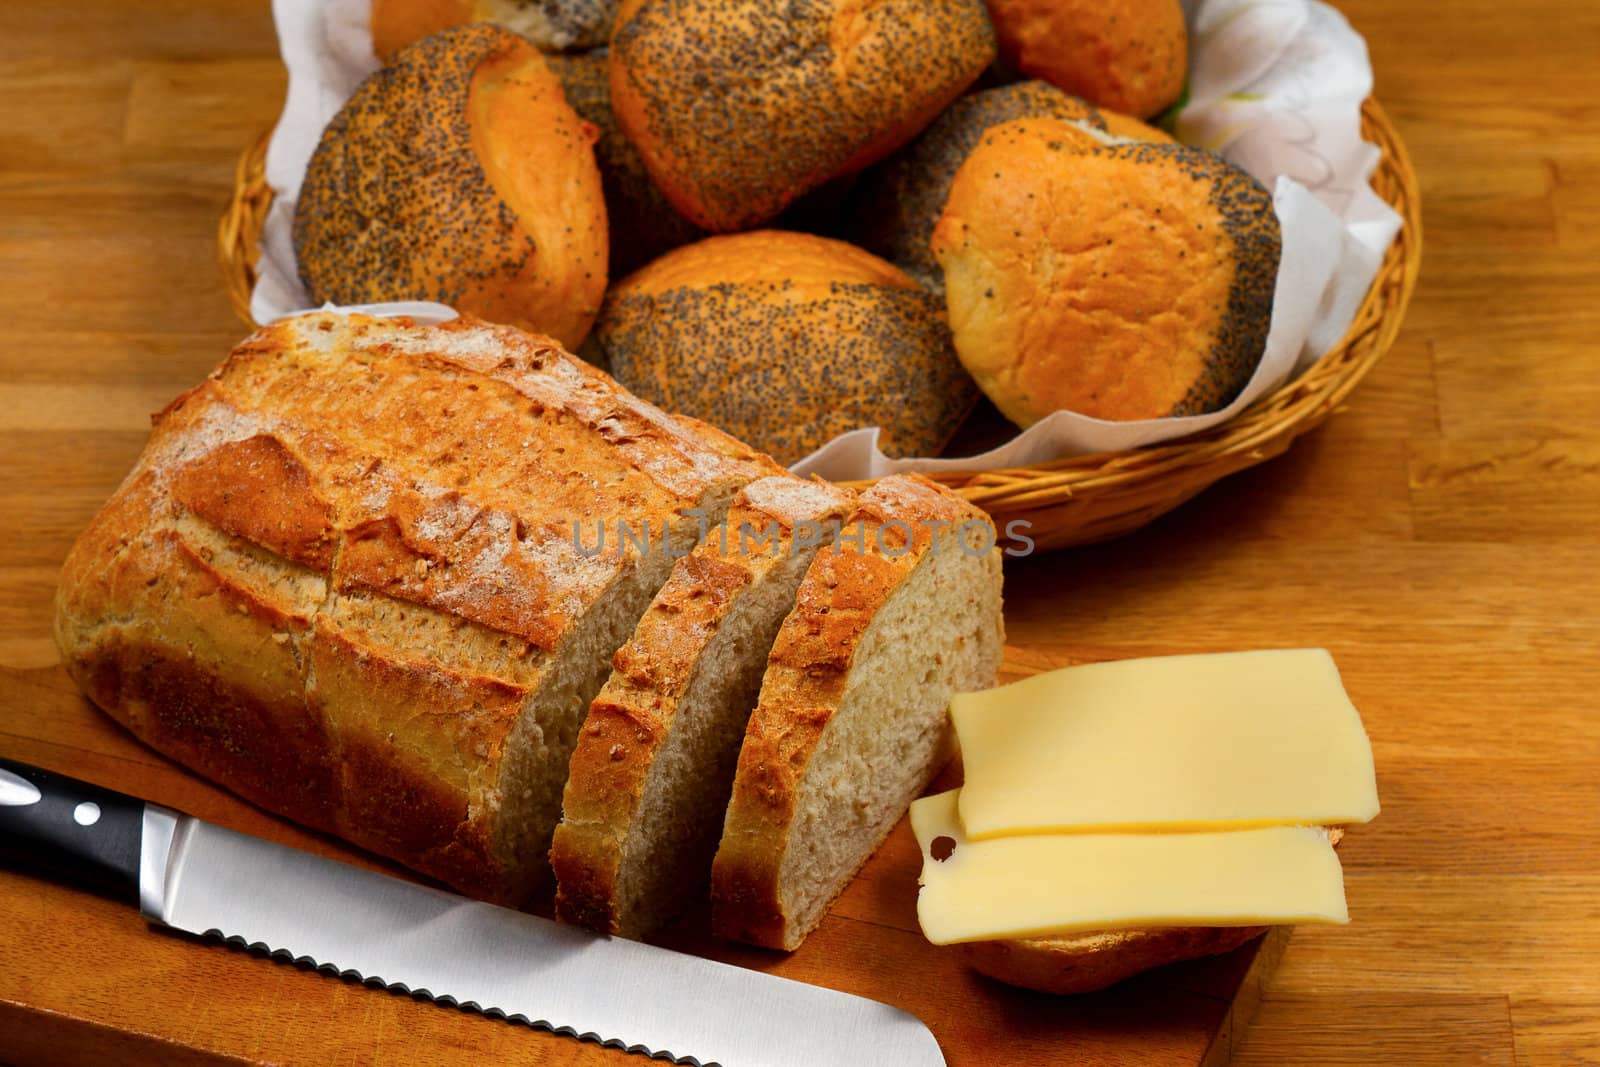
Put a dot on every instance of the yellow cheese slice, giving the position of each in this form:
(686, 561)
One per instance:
(1041, 885)
(1182, 743)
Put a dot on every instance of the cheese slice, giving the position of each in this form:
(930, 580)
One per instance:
(1181, 743)
(1042, 885)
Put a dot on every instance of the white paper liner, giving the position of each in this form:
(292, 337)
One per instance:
(1276, 87)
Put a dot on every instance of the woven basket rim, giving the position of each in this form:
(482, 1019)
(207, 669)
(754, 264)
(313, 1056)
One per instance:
(1106, 493)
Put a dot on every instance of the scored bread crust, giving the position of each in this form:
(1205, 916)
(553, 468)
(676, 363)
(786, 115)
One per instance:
(631, 719)
(1084, 963)
(336, 582)
(808, 675)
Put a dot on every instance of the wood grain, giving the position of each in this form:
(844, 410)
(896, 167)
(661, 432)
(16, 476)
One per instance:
(1439, 535)
(71, 961)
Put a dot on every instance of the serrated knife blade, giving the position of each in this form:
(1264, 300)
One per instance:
(210, 881)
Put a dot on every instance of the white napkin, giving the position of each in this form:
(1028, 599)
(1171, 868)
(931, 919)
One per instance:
(1275, 86)
(327, 48)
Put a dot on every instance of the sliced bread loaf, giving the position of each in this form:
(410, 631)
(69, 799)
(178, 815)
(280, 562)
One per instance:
(900, 613)
(354, 577)
(649, 781)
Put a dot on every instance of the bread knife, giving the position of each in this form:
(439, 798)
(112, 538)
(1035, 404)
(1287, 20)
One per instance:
(202, 879)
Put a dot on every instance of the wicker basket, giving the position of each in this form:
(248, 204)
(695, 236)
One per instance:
(1087, 498)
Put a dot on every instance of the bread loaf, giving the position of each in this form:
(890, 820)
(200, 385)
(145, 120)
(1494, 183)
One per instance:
(852, 720)
(741, 106)
(459, 173)
(650, 778)
(346, 580)
(787, 340)
(1122, 281)
(899, 202)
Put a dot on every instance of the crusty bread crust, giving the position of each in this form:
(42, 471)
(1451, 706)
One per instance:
(642, 223)
(1128, 55)
(821, 337)
(1084, 963)
(807, 676)
(740, 106)
(343, 572)
(397, 23)
(626, 725)
(1058, 262)
(898, 203)
(459, 173)
(631, 718)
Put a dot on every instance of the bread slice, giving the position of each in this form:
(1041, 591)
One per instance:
(852, 722)
(1084, 963)
(650, 778)
(354, 578)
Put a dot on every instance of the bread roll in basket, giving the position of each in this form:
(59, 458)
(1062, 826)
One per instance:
(1095, 497)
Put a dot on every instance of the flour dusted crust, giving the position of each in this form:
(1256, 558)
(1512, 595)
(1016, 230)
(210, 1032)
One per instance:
(344, 568)
(630, 719)
(807, 677)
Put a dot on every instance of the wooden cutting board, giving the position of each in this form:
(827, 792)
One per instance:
(84, 980)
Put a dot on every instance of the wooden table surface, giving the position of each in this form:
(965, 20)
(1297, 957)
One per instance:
(1439, 535)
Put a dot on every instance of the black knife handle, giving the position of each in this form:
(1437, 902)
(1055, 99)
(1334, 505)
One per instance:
(70, 830)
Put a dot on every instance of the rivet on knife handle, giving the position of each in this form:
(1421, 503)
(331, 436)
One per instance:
(70, 830)
(213, 882)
